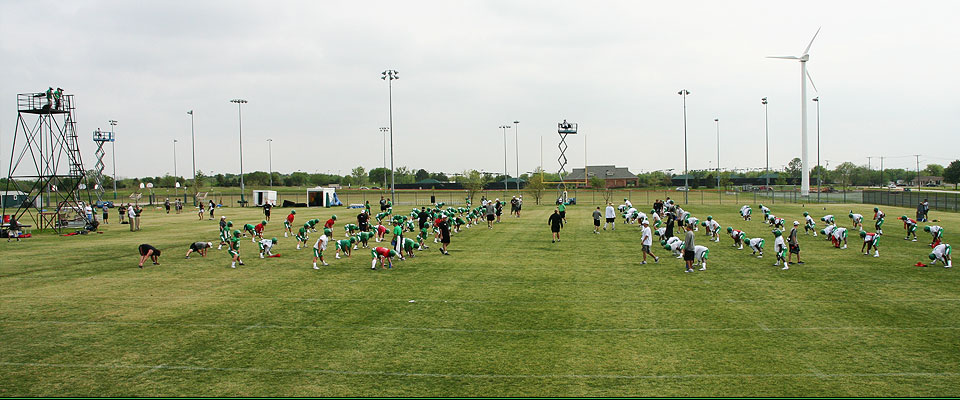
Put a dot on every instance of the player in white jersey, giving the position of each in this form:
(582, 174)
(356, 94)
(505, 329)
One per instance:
(941, 253)
(755, 244)
(828, 219)
(827, 232)
(700, 255)
(870, 240)
(712, 228)
(266, 245)
(839, 236)
(857, 220)
(780, 249)
(745, 212)
(810, 224)
(320, 246)
(675, 245)
(936, 231)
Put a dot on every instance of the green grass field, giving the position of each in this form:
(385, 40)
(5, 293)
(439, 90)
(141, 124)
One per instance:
(508, 313)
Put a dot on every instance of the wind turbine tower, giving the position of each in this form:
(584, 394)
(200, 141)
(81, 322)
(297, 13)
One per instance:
(803, 58)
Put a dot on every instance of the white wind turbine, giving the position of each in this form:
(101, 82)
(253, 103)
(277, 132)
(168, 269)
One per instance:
(805, 175)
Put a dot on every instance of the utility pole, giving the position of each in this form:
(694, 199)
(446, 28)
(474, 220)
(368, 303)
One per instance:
(881, 171)
(918, 171)
(869, 168)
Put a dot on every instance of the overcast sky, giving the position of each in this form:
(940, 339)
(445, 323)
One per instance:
(310, 70)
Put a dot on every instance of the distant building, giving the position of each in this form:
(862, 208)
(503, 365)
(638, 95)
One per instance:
(927, 180)
(614, 176)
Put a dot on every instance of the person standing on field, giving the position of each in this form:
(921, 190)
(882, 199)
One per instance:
(443, 227)
(793, 244)
(611, 216)
(646, 240)
(555, 222)
(491, 213)
(688, 247)
(267, 207)
(596, 220)
(106, 212)
(132, 215)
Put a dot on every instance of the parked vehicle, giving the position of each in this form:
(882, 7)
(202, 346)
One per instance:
(681, 189)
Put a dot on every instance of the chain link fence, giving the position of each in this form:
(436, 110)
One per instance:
(939, 200)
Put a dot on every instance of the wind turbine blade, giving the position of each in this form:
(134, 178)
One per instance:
(811, 82)
(806, 50)
(785, 57)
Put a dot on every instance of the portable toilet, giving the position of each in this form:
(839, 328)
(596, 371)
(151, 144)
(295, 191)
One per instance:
(322, 197)
(261, 197)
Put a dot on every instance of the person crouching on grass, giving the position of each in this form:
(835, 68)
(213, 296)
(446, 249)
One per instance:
(234, 249)
(810, 224)
(258, 230)
(555, 222)
(384, 255)
(266, 245)
(199, 247)
(942, 253)
(911, 227)
(780, 249)
(737, 236)
(148, 251)
(344, 245)
(870, 240)
(288, 223)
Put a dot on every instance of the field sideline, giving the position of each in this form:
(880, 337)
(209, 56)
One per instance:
(508, 313)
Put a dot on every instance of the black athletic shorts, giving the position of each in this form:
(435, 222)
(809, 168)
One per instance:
(491, 217)
(364, 226)
(596, 222)
(144, 248)
(794, 249)
(563, 214)
(645, 248)
(688, 255)
(555, 228)
(610, 220)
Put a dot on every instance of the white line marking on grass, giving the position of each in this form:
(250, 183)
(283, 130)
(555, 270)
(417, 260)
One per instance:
(147, 372)
(476, 376)
(480, 301)
(244, 327)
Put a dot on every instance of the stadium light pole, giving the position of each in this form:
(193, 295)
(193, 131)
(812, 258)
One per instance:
(270, 159)
(193, 150)
(516, 150)
(817, 100)
(240, 133)
(766, 134)
(686, 174)
(113, 145)
(504, 128)
(717, 120)
(384, 131)
(389, 75)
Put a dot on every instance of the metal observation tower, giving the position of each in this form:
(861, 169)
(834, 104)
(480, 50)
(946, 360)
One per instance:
(45, 163)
